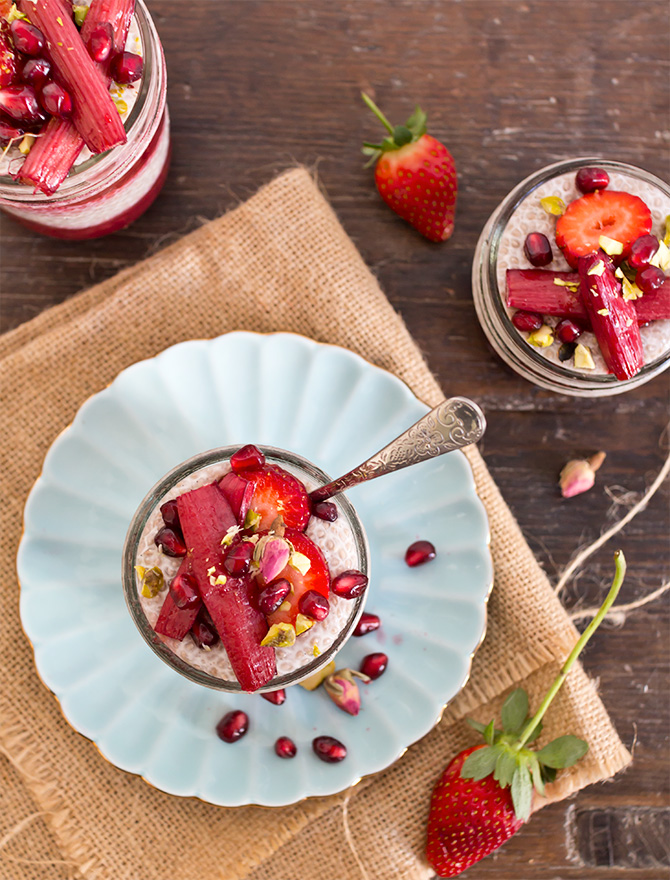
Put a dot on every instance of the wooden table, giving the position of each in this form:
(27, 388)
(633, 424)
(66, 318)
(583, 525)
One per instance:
(509, 86)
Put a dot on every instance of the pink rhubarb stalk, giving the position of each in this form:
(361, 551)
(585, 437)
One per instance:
(535, 290)
(60, 143)
(176, 622)
(613, 319)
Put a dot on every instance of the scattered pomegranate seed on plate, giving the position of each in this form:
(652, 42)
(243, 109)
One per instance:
(419, 553)
(329, 749)
(367, 624)
(233, 726)
(374, 665)
(285, 747)
(277, 698)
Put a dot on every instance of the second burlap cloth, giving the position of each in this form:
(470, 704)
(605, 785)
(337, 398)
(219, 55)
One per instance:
(280, 262)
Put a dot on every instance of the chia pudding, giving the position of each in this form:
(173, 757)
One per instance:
(340, 542)
(529, 216)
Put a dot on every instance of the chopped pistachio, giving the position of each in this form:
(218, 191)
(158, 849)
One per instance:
(280, 635)
(80, 13)
(15, 14)
(571, 285)
(630, 289)
(26, 144)
(610, 245)
(218, 581)
(227, 539)
(303, 623)
(285, 606)
(313, 681)
(661, 258)
(210, 571)
(121, 105)
(152, 580)
(597, 268)
(300, 562)
(666, 237)
(252, 519)
(583, 358)
(541, 338)
(553, 205)
(603, 312)
(316, 651)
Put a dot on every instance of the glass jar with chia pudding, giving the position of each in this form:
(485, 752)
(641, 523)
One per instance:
(85, 132)
(273, 593)
(570, 277)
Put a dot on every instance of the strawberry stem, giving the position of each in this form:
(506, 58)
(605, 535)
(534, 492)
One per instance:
(378, 113)
(620, 571)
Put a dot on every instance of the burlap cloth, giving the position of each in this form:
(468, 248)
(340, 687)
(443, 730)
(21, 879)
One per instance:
(281, 261)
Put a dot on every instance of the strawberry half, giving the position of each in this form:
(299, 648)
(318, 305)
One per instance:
(415, 175)
(277, 493)
(317, 577)
(617, 215)
(467, 819)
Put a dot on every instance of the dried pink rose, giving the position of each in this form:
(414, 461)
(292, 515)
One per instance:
(343, 690)
(579, 475)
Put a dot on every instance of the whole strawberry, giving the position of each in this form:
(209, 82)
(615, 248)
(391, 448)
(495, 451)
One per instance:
(415, 174)
(485, 794)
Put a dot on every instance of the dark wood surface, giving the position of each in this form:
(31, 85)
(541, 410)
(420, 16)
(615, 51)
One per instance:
(255, 87)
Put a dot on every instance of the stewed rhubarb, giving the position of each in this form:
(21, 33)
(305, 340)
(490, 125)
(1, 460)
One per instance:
(613, 319)
(173, 621)
(94, 114)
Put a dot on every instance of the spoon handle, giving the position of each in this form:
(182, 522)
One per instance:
(454, 423)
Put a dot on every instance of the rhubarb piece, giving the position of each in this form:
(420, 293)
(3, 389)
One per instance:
(59, 145)
(537, 290)
(205, 517)
(613, 319)
(173, 621)
(238, 494)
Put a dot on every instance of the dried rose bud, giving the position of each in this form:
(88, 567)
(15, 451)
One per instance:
(343, 690)
(272, 555)
(579, 475)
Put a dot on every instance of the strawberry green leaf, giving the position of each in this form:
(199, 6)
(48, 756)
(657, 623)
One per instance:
(563, 752)
(479, 764)
(417, 123)
(536, 773)
(489, 733)
(515, 711)
(505, 768)
(476, 725)
(402, 135)
(522, 792)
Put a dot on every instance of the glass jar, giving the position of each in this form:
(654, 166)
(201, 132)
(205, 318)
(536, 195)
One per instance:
(108, 191)
(500, 246)
(137, 537)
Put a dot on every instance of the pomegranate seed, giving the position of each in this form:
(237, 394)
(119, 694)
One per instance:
(538, 249)
(349, 584)
(184, 590)
(170, 543)
(7, 59)
(277, 698)
(588, 180)
(527, 321)
(650, 279)
(126, 67)
(170, 514)
(419, 553)
(56, 100)
(233, 726)
(204, 634)
(27, 38)
(642, 250)
(101, 42)
(20, 102)
(367, 624)
(36, 72)
(285, 747)
(247, 457)
(237, 560)
(374, 665)
(273, 595)
(9, 132)
(329, 749)
(314, 605)
(568, 330)
(325, 510)
(567, 351)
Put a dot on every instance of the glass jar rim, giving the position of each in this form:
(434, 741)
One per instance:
(103, 165)
(149, 504)
(491, 309)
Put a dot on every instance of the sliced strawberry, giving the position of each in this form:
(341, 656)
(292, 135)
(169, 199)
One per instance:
(238, 492)
(617, 215)
(278, 493)
(176, 622)
(205, 517)
(8, 66)
(317, 577)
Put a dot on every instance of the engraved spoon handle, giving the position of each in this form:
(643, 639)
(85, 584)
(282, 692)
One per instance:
(454, 423)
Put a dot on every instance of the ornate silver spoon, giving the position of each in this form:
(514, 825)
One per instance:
(455, 423)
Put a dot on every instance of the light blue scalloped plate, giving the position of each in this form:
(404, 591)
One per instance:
(281, 390)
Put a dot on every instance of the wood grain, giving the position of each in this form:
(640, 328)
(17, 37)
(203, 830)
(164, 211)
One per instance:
(255, 87)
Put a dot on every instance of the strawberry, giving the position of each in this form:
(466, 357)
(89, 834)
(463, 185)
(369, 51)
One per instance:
(277, 493)
(8, 67)
(485, 794)
(317, 576)
(616, 215)
(415, 175)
